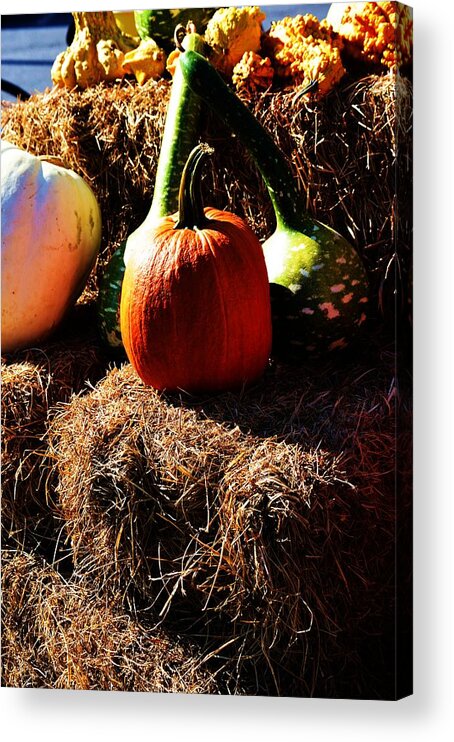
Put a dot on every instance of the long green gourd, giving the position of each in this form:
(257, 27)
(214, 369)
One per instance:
(318, 283)
(179, 137)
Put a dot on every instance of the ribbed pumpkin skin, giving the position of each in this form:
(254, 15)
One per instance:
(195, 306)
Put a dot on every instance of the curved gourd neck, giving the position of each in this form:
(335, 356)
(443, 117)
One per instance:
(176, 144)
(288, 203)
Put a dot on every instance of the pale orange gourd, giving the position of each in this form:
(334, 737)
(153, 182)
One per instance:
(51, 234)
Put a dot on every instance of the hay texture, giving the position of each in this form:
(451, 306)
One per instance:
(265, 523)
(58, 634)
(351, 153)
(33, 382)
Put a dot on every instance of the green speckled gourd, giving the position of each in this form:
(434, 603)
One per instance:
(318, 283)
(179, 137)
(109, 301)
(159, 24)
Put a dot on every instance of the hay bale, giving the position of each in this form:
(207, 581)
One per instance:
(58, 634)
(264, 522)
(147, 490)
(351, 153)
(33, 382)
(24, 416)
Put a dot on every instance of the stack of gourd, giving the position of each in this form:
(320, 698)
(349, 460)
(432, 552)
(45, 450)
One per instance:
(318, 285)
(294, 51)
(306, 277)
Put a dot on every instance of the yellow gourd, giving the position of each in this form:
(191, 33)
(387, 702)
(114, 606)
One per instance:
(96, 53)
(252, 73)
(146, 62)
(231, 32)
(378, 33)
(51, 234)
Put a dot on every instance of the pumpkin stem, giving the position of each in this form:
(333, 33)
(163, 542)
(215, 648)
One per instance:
(191, 212)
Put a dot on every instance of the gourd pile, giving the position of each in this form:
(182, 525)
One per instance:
(295, 50)
(199, 399)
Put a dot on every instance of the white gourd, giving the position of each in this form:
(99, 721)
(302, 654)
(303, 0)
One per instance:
(50, 238)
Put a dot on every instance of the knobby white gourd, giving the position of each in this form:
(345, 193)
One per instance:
(51, 234)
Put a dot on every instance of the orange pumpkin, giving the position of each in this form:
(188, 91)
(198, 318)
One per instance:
(195, 304)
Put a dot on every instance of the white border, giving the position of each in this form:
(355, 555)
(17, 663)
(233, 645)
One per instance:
(47, 715)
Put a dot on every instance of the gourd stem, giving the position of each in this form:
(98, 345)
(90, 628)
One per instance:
(191, 212)
(205, 81)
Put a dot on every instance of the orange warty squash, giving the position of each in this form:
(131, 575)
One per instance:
(195, 305)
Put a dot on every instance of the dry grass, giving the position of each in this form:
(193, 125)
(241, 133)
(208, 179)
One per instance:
(32, 382)
(261, 525)
(265, 523)
(59, 634)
